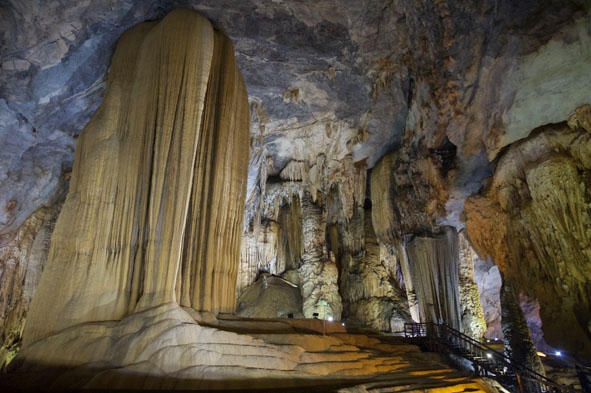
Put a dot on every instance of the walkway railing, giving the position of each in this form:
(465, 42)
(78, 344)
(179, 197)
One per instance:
(485, 360)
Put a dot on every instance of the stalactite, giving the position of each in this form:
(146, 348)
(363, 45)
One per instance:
(290, 237)
(407, 195)
(411, 295)
(433, 264)
(350, 180)
(21, 262)
(259, 252)
(154, 210)
(295, 171)
(370, 294)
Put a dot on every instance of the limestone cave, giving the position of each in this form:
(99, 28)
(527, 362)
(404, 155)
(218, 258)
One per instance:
(295, 195)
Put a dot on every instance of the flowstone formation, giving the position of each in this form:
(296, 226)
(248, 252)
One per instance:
(153, 214)
(538, 228)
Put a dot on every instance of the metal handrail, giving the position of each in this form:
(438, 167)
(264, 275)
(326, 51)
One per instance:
(441, 335)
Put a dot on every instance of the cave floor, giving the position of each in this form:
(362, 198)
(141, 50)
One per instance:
(335, 359)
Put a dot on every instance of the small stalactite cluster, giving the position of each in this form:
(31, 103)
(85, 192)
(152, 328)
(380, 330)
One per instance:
(154, 212)
(538, 226)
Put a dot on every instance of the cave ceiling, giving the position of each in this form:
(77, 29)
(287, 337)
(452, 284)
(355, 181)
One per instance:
(332, 78)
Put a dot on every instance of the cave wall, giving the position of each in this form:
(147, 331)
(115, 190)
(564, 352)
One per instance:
(536, 208)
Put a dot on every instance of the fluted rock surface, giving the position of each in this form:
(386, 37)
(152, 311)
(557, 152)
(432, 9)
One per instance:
(159, 176)
(371, 295)
(533, 220)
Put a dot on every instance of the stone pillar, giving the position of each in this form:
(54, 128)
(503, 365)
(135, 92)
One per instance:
(318, 273)
(518, 343)
(472, 314)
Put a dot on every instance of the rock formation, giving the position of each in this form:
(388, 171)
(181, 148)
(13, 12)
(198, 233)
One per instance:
(159, 175)
(371, 123)
(537, 220)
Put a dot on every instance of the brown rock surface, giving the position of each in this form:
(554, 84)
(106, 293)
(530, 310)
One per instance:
(533, 220)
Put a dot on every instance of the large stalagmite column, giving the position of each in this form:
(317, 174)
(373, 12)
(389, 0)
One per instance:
(154, 212)
(318, 274)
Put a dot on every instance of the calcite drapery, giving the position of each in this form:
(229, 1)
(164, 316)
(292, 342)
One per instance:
(156, 201)
(434, 264)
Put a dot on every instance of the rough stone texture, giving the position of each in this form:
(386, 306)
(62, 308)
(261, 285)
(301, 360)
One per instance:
(407, 195)
(533, 220)
(472, 314)
(21, 263)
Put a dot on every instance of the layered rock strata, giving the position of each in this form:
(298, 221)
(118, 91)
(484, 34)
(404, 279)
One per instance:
(153, 215)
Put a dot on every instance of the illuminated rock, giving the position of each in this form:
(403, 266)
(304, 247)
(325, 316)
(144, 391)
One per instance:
(159, 174)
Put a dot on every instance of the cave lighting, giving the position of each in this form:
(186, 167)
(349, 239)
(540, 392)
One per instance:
(541, 354)
(330, 319)
(558, 353)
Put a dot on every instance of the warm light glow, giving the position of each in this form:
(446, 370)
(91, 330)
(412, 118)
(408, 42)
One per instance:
(541, 354)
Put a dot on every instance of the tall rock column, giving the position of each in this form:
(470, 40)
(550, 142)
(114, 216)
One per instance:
(517, 338)
(473, 323)
(154, 211)
(318, 273)
(371, 295)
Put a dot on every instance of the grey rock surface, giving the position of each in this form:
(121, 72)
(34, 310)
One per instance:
(307, 63)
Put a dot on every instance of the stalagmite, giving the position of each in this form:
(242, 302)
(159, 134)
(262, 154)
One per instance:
(318, 274)
(517, 338)
(154, 211)
(473, 323)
